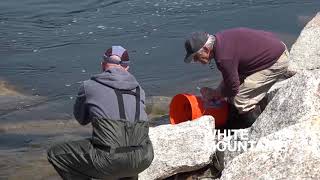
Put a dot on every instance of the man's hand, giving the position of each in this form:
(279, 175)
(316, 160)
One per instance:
(209, 94)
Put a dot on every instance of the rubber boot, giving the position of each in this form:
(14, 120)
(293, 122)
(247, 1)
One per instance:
(233, 120)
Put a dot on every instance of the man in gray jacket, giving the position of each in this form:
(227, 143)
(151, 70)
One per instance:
(113, 102)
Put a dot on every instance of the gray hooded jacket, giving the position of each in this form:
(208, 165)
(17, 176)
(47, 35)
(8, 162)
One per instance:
(97, 99)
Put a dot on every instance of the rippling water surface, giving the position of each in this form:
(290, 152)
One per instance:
(48, 46)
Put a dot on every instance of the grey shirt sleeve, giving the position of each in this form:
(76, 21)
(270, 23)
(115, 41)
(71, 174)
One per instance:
(80, 109)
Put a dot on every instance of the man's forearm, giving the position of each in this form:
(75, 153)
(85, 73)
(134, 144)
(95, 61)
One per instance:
(80, 110)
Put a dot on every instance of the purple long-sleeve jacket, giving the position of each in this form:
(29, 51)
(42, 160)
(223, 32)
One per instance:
(240, 52)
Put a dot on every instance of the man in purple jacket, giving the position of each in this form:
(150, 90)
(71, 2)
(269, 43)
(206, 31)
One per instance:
(250, 61)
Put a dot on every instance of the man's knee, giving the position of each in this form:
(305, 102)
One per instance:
(53, 151)
(243, 105)
(50, 154)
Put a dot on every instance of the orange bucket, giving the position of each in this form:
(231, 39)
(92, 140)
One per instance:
(184, 107)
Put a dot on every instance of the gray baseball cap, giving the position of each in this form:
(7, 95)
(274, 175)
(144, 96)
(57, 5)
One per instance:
(194, 43)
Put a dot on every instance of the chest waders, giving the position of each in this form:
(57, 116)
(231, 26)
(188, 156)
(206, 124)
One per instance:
(127, 143)
(117, 148)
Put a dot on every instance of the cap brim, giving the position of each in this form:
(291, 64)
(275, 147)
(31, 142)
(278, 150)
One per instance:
(188, 58)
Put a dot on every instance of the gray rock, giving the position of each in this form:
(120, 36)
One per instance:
(33, 108)
(275, 88)
(160, 120)
(180, 148)
(207, 173)
(282, 132)
(7, 90)
(17, 102)
(228, 155)
(268, 122)
(291, 153)
(225, 157)
(296, 102)
(305, 53)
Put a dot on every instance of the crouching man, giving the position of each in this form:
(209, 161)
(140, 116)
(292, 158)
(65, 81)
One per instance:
(113, 102)
(250, 61)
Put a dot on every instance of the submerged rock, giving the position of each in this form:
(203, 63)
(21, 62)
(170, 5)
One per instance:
(12, 100)
(10, 103)
(157, 105)
(180, 148)
(159, 120)
(7, 90)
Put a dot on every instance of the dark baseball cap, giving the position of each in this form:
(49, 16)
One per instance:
(119, 51)
(194, 43)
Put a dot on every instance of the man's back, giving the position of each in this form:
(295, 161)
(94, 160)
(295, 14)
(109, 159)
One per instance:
(99, 97)
(113, 102)
(251, 50)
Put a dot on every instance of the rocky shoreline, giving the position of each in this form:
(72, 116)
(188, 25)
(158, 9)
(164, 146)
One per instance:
(287, 132)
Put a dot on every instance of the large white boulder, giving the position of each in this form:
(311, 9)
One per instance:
(180, 148)
(291, 153)
(297, 101)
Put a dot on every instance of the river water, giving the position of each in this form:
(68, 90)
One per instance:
(49, 46)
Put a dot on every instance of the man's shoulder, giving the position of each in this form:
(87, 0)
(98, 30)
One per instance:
(90, 84)
(87, 82)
